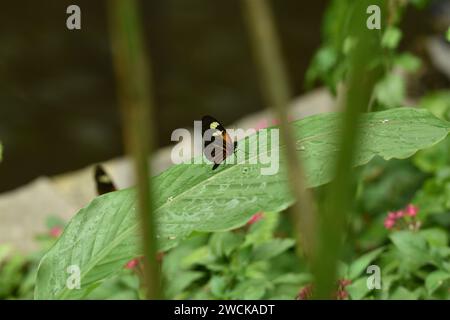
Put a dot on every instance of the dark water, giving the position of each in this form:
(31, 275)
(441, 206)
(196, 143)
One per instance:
(58, 109)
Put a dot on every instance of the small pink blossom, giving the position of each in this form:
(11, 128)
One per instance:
(402, 215)
(132, 263)
(342, 295)
(392, 215)
(55, 232)
(344, 282)
(411, 210)
(399, 214)
(264, 123)
(255, 218)
(389, 223)
(261, 124)
(305, 292)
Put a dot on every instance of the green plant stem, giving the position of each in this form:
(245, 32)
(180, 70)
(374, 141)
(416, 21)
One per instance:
(274, 83)
(339, 197)
(132, 68)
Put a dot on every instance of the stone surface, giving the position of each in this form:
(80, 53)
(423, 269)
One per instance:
(23, 212)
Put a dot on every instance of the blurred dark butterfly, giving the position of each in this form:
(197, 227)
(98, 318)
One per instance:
(217, 143)
(103, 181)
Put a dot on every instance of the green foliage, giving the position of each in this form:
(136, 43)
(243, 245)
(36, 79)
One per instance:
(331, 61)
(413, 266)
(330, 64)
(434, 197)
(357, 267)
(390, 91)
(103, 236)
(18, 271)
(248, 263)
(407, 61)
(11, 274)
(388, 186)
(123, 286)
(391, 37)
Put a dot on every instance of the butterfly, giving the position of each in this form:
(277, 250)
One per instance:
(103, 181)
(217, 143)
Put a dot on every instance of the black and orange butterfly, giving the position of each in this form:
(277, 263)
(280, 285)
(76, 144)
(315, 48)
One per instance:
(217, 143)
(103, 181)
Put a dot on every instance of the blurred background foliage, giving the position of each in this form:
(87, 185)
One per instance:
(58, 98)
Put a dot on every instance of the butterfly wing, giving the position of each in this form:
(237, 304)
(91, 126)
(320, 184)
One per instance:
(103, 181)
(217, 143)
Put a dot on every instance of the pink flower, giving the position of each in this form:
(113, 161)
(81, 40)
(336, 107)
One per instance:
(389, 223)
(344, 282)
(411, 210)
(55, 232)
(255, 218)
(392, 215)
(132, 264)
(261, 125)
(305, 292)
(342, 295)
(399, 214)
(264, 123)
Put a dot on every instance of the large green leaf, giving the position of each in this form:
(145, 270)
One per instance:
(413, 248)
(103, 236)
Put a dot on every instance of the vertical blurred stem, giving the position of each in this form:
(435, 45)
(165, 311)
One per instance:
(362, 76)
(275, 85)
(134, 87)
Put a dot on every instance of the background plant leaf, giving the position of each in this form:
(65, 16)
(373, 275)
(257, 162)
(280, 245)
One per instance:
(359, 265)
